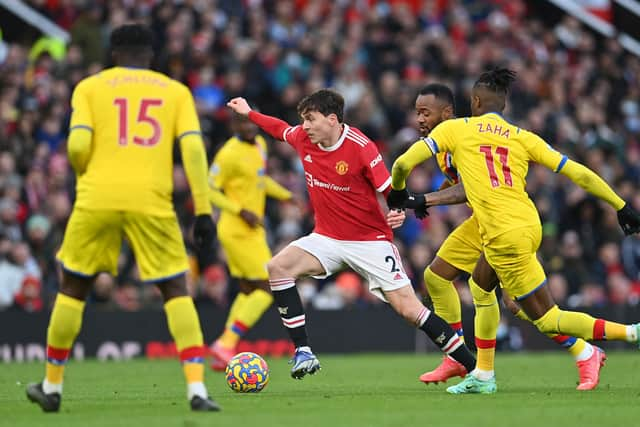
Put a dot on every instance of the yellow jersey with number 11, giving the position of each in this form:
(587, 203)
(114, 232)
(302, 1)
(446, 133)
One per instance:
(492, 157)
(135, 116)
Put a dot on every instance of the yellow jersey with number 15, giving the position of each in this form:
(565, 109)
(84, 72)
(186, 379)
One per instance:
(135, 116)
(492, 157)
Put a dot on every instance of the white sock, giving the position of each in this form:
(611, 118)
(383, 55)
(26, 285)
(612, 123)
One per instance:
(196, 389)
(49, 388)
(483, 375)
(585, 354)
(304, 348)
(632, 333)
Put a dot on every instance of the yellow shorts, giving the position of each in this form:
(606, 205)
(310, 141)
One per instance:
(463, 246)
(248, 255)
(513, 257)
(93, 239)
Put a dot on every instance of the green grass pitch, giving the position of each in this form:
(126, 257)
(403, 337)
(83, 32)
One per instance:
(351, 390)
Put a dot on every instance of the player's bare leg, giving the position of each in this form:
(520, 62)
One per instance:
(64, 326)
(439, 276)
(284, 268)
(253, 299)
(184, 326)
(405, 302)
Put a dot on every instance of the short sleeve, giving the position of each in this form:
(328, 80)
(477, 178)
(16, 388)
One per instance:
(541, 152)
(375, 169)
(441, 139)
(293, 135)
(81, 115)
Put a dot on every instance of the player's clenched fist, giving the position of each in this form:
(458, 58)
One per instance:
(239, 105)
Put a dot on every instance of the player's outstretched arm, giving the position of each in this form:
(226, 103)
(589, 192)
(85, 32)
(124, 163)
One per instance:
(628, 217)
(240, 106)
(448, 195)
(452, 195)
(402, 167)
(399, 196)
(272, 125)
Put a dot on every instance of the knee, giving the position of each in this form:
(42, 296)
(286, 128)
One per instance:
(480, 296)
(173, 288)
(434, 280)
(277, 269)
(548, 323)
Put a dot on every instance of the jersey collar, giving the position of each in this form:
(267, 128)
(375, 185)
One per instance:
(337, 145)
(496, 113)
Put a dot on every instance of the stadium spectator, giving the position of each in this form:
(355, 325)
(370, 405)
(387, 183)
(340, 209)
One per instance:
(576, 90)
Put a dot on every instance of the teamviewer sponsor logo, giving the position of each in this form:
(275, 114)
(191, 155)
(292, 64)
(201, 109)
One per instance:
(314, 182)
(329, 186)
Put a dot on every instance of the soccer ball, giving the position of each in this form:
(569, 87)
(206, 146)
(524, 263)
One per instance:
(247, 373)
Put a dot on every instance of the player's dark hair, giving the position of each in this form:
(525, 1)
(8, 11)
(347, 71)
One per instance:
(440, 91)
(131, 37)
(325, 102)
(497, 80)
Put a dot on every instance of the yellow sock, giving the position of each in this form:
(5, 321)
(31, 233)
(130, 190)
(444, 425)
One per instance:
(254, 306)
(446, 302)
(486, 323)
(237, 304)
(193, 372)
(614, 331)
(577, 347)
(573, 345)
(64, 326)
(184, 326)
(573, 323)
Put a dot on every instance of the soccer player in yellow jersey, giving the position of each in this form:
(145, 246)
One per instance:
(124, 123)
(239, 187)
(492, 157)
(459, 253)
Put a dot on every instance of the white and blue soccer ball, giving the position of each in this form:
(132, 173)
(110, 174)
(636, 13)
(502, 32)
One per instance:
(247, 373)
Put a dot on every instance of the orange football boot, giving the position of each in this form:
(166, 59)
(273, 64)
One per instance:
(449, 368)
(589, 370)
(221, 356)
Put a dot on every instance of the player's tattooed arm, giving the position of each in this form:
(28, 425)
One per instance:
(449, 196)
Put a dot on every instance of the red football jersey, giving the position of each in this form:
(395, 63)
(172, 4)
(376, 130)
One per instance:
(342, 181)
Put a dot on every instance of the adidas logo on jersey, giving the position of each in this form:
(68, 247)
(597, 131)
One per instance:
(307, 158)
(398, 276)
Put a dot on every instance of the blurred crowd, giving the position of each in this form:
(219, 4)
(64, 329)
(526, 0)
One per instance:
(576, 90)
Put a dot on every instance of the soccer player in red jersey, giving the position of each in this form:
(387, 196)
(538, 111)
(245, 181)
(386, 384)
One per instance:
(344, 171)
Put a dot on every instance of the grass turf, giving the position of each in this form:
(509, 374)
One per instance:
(352, 390)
